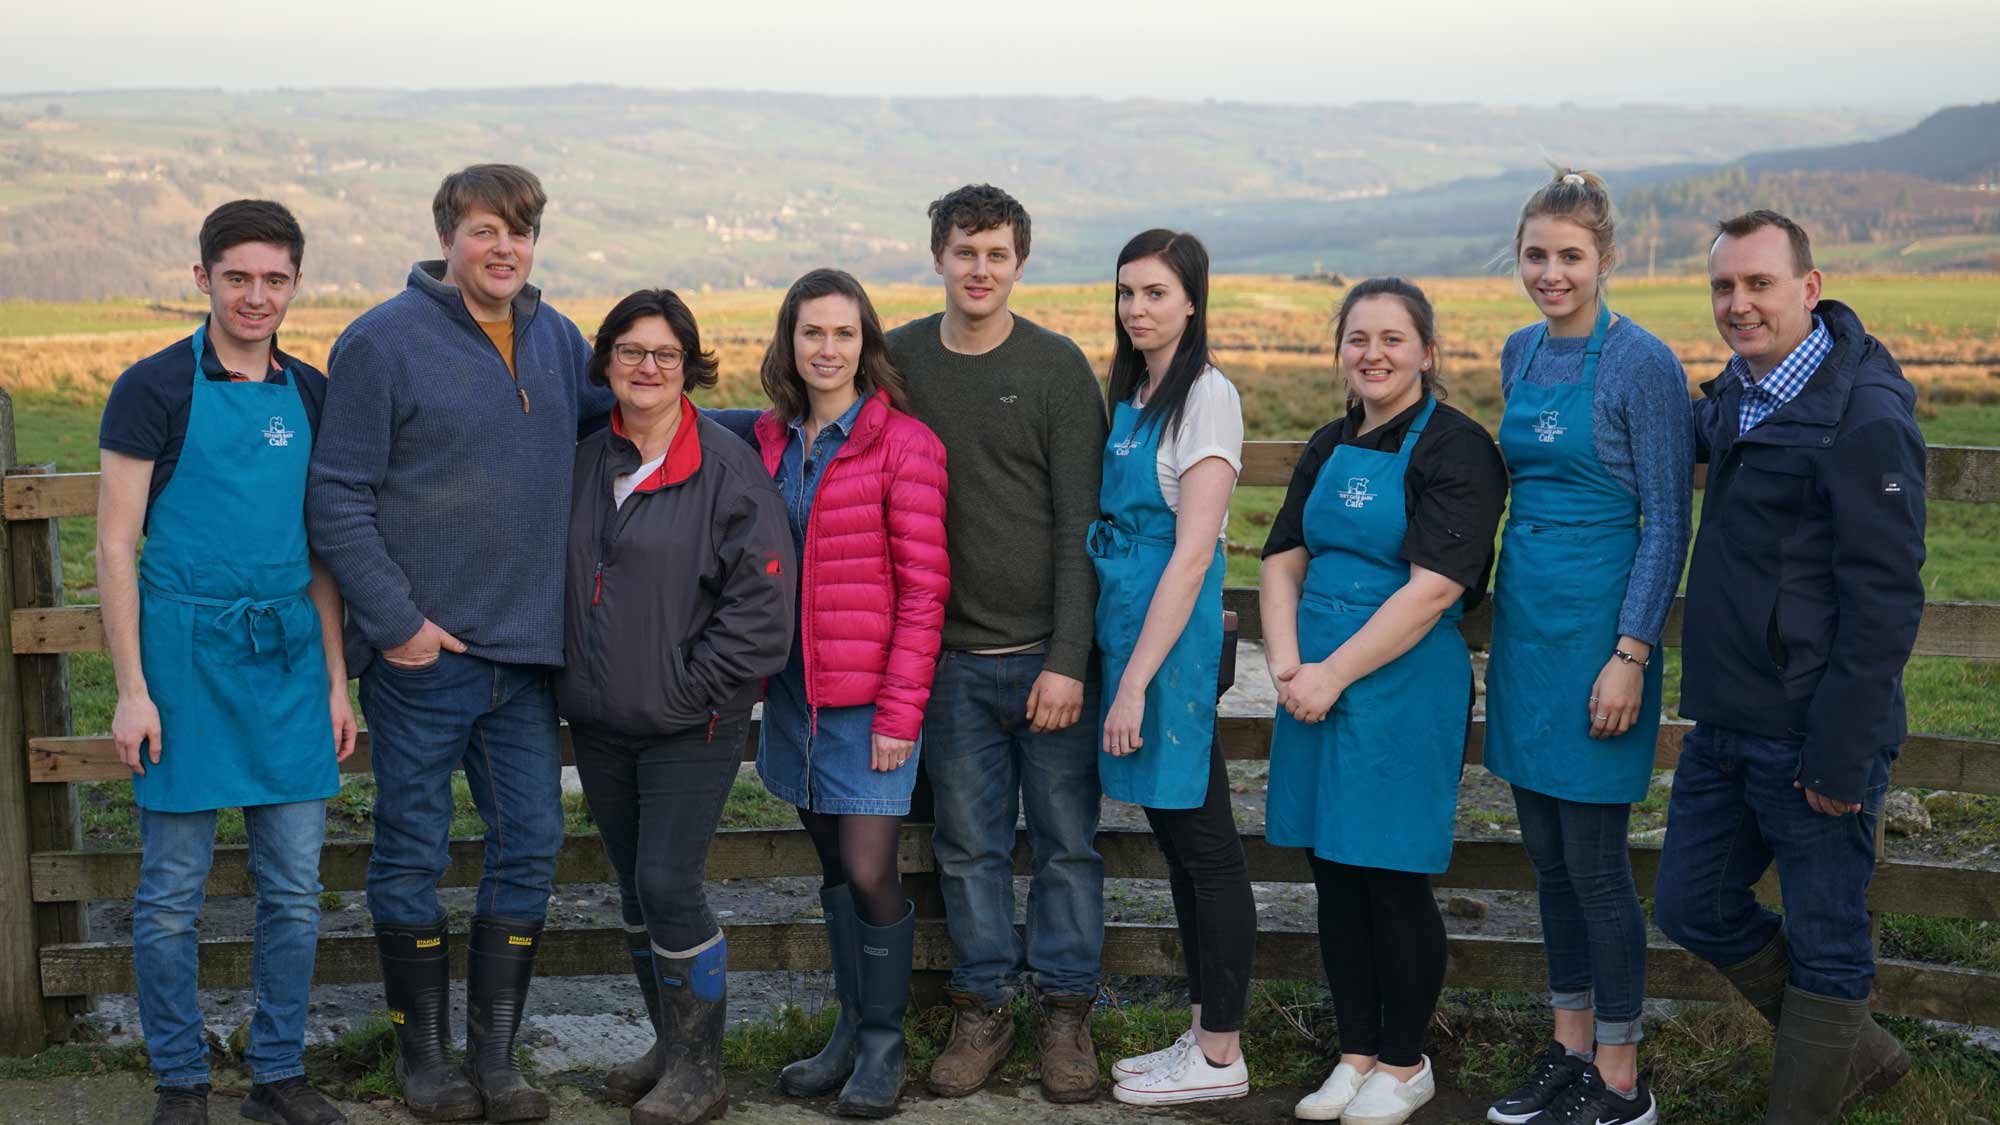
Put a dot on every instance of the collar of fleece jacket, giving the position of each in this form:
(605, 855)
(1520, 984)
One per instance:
(683, 452)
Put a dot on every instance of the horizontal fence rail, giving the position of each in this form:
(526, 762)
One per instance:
(1953, 472)
(1513, 964)
(1929, 761)
(1942, 890)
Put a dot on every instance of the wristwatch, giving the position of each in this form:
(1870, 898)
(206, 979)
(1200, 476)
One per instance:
(1627, 657)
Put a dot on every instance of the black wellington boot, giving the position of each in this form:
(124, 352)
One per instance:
(877, 1082)
(629, 1081)
(694, 1012)
(500, 963)
(823, 1073)
(416, 983)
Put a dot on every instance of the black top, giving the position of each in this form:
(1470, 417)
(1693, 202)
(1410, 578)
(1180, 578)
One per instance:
(1453, 492)
(146, 415)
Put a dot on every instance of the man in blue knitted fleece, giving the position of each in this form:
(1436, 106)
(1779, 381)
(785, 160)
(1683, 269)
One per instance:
(438, 496)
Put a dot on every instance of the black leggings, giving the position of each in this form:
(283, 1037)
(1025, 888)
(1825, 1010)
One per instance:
(860, 850)
(1382, 942)
(1210, 881)
(656, 802)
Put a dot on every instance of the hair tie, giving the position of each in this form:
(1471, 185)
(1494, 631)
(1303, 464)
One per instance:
(1575, 178)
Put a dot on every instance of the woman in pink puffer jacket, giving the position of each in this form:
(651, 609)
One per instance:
(864, 489)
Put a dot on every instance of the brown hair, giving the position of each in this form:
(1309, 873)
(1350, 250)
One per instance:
(698, 369)
(508, 190)
(1749, 221)
(1421, 314)
(250, 220)
(974, 208)
(780, 370)
(1579, 197)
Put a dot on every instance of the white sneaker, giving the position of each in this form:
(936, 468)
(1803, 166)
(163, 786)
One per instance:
(1189, 1078)
(1382, 1100)
(1141, 1064)
(1331, 1099)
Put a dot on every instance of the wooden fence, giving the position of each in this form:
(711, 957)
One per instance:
(49, 967)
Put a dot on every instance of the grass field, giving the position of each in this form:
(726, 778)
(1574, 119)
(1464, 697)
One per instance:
(1271, 337)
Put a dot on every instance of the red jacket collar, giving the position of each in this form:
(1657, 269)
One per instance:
(683, 452)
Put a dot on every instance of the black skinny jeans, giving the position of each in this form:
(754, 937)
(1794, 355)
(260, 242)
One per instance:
(656, 801)
(1382, 942)
(1210, 881)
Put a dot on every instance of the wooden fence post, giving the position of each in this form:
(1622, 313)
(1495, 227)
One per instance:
(926, 894)
(22, 1027)
(55, 822)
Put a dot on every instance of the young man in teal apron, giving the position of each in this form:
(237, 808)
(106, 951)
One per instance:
(438, 497)
(1803, 599)
(225, 640)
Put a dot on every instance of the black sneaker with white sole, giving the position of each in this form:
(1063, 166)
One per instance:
(1588, 1101)
(1554, 1070)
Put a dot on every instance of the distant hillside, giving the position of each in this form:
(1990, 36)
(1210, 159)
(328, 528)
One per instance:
(1956, 145)
(100, 194)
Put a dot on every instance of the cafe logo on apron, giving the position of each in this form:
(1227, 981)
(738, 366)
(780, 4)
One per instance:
(1356, 493)
(1125, 448)
(1548, 427)
(276, 435)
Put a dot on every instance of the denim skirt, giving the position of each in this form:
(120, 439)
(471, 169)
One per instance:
(823, 765)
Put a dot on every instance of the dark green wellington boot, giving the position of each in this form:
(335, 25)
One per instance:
(1879, 1061)
(1816, 1038)
(629, 1081)
(825, 1072)
(416, 983)
(694, 1012)
(877, 1082)
(500, 963)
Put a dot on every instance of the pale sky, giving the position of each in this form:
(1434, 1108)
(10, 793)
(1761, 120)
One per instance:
(1914, 55)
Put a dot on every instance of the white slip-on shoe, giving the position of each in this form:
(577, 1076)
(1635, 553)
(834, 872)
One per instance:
(1152, 1060)
(1189, 1078)
(1331, 1099)
(1382, 1100)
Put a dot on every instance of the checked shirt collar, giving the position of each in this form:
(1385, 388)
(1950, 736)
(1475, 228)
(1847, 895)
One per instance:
(1782, 384)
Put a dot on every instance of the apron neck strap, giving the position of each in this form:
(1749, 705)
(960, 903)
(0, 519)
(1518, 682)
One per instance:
(1416, 429)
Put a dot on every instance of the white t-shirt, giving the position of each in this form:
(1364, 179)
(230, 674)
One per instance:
(621, 487)
(1211, 426)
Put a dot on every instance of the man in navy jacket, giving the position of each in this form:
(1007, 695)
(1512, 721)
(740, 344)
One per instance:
(1803, 600)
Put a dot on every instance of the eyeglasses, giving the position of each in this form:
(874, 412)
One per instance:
(632, 355)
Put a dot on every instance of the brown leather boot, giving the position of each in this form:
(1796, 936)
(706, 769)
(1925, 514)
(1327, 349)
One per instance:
(981, 1037)
(1069, 1058)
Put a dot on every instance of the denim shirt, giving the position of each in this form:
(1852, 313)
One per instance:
(799, 473)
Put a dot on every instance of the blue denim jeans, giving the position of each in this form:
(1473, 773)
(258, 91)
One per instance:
(499, 722)
(985, 765)
(1593, 930)
(173, 872)
(1735, 811)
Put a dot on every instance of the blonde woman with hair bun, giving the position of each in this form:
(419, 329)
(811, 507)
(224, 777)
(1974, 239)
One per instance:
(1599, 445)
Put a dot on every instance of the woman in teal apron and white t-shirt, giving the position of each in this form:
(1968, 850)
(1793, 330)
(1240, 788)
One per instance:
(1175, 448)
(1387, 524)
(1599, 445)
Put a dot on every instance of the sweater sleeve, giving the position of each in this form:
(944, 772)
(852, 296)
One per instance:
(922, 569)
(1659, 427)
(1075, 428)
(593, 403)
(350, 459)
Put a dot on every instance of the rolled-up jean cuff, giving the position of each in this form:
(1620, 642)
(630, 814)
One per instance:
(1572, 1001)
(1620, 1034)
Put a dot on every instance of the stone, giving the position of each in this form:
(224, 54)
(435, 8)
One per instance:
(1465, 906)
(1904, 815)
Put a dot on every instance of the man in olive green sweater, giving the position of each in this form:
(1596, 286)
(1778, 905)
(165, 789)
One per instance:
(1013, 713)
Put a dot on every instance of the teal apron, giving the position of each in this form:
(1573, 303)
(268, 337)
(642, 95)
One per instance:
(1565, 559)
(229, 642)
(1375, 783)
(1130, 547)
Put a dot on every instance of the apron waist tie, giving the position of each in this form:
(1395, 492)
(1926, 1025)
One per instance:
(263, 624)
(1591, 525)
(1106, 538)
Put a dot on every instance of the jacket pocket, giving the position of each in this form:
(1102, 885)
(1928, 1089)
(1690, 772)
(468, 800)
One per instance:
(1767, 496)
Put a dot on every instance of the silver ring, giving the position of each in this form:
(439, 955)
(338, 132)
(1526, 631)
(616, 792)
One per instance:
(1603, 718)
